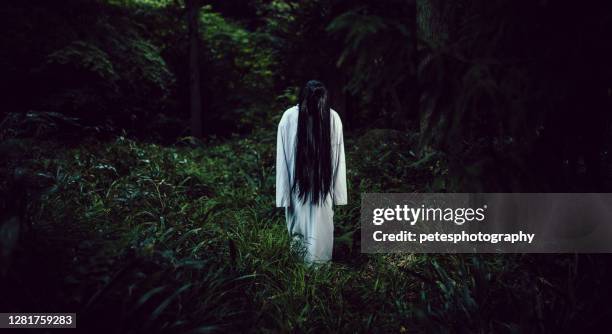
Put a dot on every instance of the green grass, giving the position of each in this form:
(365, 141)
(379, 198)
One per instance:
(140, 238)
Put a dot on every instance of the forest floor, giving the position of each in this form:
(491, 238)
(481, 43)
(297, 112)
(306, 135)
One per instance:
(137, 237)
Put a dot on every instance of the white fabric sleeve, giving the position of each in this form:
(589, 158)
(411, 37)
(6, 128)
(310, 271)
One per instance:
(283, 188)
(339, 177)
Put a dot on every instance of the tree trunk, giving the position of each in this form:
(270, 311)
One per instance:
(431, 26)
(416, 93)
(195, 100)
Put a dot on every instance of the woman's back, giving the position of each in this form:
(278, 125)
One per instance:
(311, 171)
(287, 141)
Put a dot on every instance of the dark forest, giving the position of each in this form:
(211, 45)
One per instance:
(137, 159)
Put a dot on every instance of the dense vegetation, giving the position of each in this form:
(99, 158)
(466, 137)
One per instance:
(142, 238)
(126, 219)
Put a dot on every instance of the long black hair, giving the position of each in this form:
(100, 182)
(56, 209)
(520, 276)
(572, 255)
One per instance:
(313, 165)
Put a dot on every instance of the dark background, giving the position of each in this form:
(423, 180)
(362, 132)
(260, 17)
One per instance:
(137, 158)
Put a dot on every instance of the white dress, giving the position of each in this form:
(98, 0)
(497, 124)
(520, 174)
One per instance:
(312, 223)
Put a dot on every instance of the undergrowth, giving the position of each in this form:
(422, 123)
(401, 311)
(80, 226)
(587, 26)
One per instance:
(141, 238)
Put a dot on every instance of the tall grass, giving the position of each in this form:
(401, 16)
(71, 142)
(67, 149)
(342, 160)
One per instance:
(152, 239)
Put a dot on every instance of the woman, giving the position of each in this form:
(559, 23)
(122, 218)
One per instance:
(311, 171)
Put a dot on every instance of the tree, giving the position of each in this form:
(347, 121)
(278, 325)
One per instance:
(378, 56)
(195, 99)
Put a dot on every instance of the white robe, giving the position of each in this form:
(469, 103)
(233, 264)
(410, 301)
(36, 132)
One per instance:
(313, 223)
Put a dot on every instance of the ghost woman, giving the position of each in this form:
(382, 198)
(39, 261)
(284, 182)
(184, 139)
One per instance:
(311, 171)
